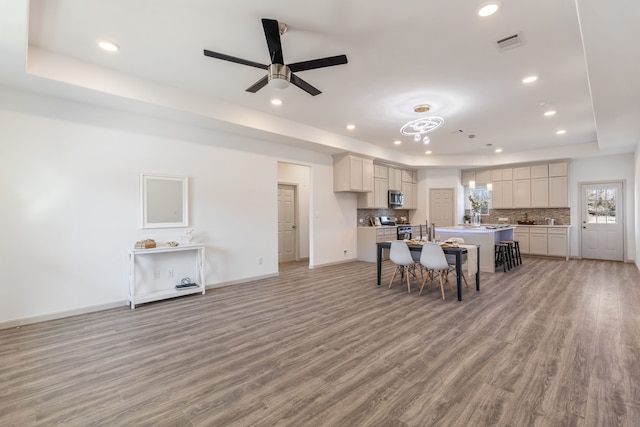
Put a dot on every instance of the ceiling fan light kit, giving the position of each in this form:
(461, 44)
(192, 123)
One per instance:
(279, 74)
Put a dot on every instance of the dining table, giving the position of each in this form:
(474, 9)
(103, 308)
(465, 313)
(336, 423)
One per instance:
(448, 249)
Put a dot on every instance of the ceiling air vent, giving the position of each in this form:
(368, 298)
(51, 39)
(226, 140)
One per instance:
(510, 42)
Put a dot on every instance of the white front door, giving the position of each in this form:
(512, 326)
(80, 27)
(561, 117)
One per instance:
(602, 232)
(286, 223)
(441, 207)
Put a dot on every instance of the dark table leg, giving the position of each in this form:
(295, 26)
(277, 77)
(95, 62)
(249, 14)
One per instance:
(379, 264)
(459, 274)
(478, 271)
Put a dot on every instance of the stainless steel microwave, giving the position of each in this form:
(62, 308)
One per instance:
(396, 199)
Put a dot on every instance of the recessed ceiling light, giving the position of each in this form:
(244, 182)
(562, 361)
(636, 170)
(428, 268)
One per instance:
(561, 132)
(108, 46)
(428, 152)
(276, 101)
(351, 127)
(397, 142)
(550, 113)
(530, 79)
(498, 150)
(487, 9)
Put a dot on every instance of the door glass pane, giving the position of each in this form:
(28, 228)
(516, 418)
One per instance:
(601, 206)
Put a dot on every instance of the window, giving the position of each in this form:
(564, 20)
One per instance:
(601, 206)
(482, 195)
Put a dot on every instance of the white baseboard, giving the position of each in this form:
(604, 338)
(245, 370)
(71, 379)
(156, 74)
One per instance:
(241, 281)
(59, 315)
(333, 263)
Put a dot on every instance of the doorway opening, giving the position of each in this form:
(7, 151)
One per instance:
(293, 215)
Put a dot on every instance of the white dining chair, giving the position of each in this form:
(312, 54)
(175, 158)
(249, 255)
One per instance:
(451, 258)
(433, 259)
(400, 255)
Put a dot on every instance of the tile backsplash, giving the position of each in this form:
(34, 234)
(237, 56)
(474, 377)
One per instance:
(562, 216)
(366, 214)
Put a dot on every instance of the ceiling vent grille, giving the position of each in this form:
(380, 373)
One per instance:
(510, 42)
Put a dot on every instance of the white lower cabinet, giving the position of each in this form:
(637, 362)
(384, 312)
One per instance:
(542, 240)
(557, 242)
(538, 241)
(523, 239)
(369, 236)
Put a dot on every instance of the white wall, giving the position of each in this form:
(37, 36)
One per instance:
(636, 193)
(69, 191)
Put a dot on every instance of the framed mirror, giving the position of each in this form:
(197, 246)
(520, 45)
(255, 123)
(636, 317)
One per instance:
(165, 201)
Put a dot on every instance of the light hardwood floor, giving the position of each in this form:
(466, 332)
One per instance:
(552, 343)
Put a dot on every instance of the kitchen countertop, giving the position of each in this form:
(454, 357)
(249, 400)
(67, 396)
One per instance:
(472, 229)
(544, 225)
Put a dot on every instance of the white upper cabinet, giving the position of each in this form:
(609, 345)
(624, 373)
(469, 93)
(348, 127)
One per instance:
(380, 171)
(409, 176)
(395, 179)
(522, 193)
(483, 177)
(538, 185)
(558, 169)
(539, 171)
(507, 174)
(352, 173)
(558, 192)
(539, 192)
(468, 176)
(522, 172)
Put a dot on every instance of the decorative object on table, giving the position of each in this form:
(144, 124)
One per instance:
(467, 219)
(477, 204)
(172, 244)
(145, 244)
(186, 284)
(188, 236)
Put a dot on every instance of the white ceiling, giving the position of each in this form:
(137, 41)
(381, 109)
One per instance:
(400, 54)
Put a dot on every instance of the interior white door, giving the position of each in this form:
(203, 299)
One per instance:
(441, 207)
(602, 232)
(286, 223)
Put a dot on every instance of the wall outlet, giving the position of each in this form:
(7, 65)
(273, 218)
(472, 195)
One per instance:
(170, 275)
(260, 260)
(345, 252)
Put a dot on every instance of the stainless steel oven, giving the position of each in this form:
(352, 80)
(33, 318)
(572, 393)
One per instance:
(404, 232)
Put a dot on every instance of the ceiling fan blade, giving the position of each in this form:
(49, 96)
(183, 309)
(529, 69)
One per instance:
(272, 34)
(234, 59)
(304, 85)
(318, 63)
(258, 85)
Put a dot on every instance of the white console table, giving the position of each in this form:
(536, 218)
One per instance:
(137, 296)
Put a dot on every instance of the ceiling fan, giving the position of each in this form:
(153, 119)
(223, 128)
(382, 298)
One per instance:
(280, 75)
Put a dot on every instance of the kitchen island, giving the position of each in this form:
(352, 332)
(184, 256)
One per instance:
(484, 236)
